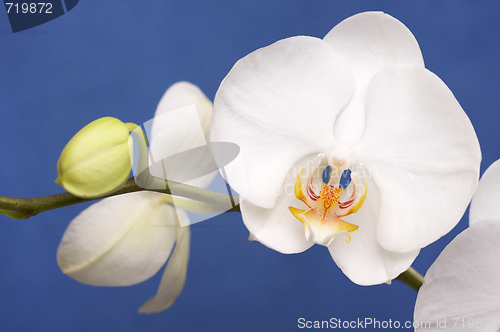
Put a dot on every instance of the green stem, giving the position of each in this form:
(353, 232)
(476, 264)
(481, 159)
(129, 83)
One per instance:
(23, 208)
(412, 278)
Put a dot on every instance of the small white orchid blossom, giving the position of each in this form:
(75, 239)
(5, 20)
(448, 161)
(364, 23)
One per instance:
(124, 240)
(358, 99)
(460, 289)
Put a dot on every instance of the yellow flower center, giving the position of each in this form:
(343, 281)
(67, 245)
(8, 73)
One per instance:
(329, 195)
(321, 220)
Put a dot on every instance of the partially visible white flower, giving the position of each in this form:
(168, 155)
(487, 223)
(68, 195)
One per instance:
(486, 201)
(358, 99)
(124, 240)
(461, 289)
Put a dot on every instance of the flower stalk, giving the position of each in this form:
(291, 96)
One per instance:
(412, 278)
(24, 208)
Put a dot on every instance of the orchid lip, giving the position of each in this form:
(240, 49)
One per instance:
(321, 220)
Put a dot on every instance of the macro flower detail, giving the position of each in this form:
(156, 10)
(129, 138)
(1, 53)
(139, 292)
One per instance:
(126, 239)
(463, 281)
(360, 99)
(322, 221)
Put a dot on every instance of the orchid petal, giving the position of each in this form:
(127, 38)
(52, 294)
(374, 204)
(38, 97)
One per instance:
(182, 122)
(421, 149)
(279, 104)
(463, 281)
(174, 277)
(362, 259)
(179, 95)
(369, 41)
(484, 204)
(277, 228)
(119, 241)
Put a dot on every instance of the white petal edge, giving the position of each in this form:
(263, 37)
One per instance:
(485, 203)
(369, 41)
(187, 127)
(423, 153)
(279, 104)
(463, 281)
(183, 94)
(363, 260)
(277, 228)
(174, 277)
(119, 241)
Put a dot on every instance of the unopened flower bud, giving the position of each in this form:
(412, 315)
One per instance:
(96, 161)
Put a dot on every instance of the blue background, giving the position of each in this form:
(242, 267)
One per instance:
(116, 58)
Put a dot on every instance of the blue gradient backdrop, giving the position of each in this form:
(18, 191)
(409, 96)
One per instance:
(116, 58)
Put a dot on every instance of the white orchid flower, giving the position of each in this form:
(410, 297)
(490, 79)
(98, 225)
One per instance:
(460, 289)
(358, 99)
(124, 240)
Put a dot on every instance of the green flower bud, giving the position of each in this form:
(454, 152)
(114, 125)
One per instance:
(96, 161)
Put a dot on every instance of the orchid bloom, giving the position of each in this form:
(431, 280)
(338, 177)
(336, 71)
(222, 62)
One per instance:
(460, 289)
(360, 99)
(124, 240)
